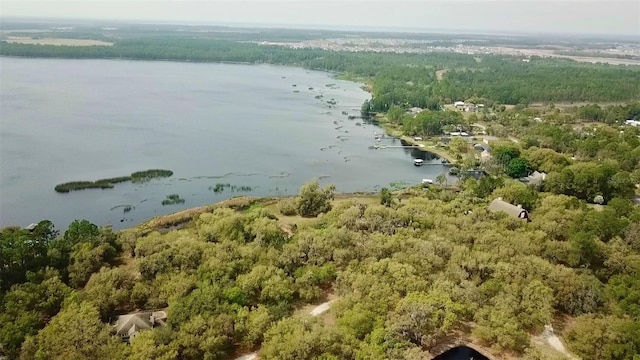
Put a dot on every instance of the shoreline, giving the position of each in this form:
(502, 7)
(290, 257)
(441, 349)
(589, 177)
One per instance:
(180, 218)
(408, 139)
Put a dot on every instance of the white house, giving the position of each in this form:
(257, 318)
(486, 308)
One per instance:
(458, 103)
(632, 122)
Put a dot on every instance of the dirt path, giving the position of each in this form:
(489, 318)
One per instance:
(552, 343)
(440, 74)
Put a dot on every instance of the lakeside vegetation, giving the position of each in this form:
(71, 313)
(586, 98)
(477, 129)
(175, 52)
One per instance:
(410, 269)
(136, 177)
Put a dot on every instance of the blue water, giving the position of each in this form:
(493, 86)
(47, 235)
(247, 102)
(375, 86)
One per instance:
(67, 120)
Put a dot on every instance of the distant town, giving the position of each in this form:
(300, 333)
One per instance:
(615, 53)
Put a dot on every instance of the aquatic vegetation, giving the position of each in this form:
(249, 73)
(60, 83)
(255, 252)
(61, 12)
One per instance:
(115, 180)
(173, 199)
(219, 187)
(398, 185)
(81, 185)
(136, 177)
(147, 175)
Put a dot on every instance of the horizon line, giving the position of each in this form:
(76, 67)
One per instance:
(320, 27)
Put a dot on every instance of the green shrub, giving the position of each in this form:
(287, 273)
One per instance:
(288, 206)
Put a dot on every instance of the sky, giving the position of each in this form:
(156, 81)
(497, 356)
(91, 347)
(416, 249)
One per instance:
(614, 17)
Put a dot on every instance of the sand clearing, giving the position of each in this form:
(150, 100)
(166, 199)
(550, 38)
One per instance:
(55, 41)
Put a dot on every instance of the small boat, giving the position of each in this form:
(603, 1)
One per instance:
(427, 181)
(444, 161)
(418, 162)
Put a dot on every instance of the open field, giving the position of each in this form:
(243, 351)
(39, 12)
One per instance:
(56, 42)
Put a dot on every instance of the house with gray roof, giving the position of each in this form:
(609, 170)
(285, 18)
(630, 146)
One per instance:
(536, 178)
(127, 326)
(499, 205)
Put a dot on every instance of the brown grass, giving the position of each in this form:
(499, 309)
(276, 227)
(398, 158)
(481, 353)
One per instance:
(440, 74)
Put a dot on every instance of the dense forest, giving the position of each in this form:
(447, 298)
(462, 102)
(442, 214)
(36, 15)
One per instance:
(407, 79)
(407, 276)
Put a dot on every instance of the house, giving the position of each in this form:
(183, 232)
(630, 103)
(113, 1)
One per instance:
(499, 205)
(482, 147)
(127, 326)
(632, 122)
(415, 110)
(31, 227)
(458, 104)
(536, 178)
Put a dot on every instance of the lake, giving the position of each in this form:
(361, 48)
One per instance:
(270, 128)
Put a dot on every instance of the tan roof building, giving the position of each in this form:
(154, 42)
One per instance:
(499, 205)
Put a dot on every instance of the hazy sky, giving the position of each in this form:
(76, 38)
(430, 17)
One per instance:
(541, 16)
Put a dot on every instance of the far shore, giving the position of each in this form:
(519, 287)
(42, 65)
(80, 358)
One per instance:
(56, 41)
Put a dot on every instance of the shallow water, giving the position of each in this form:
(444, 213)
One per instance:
(67, 120)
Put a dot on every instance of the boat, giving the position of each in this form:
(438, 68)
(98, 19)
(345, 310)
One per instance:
(427, 181)
(418, 162)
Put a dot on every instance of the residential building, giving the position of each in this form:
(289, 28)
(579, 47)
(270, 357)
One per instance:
(499, 205)
(127, 326)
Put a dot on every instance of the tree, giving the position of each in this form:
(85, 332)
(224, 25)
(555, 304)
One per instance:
(441, 179)
(25, 308)
(395, 114)
(22, 251)
(313, 200)
(625, 291)
(304, 338)
(424, 318)
(606, 338)
(516, 192)
(75, 333)
(144, 346)
(505, 153)
(518, 168)
(459, 145)
(110, 290)
(386, 197)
